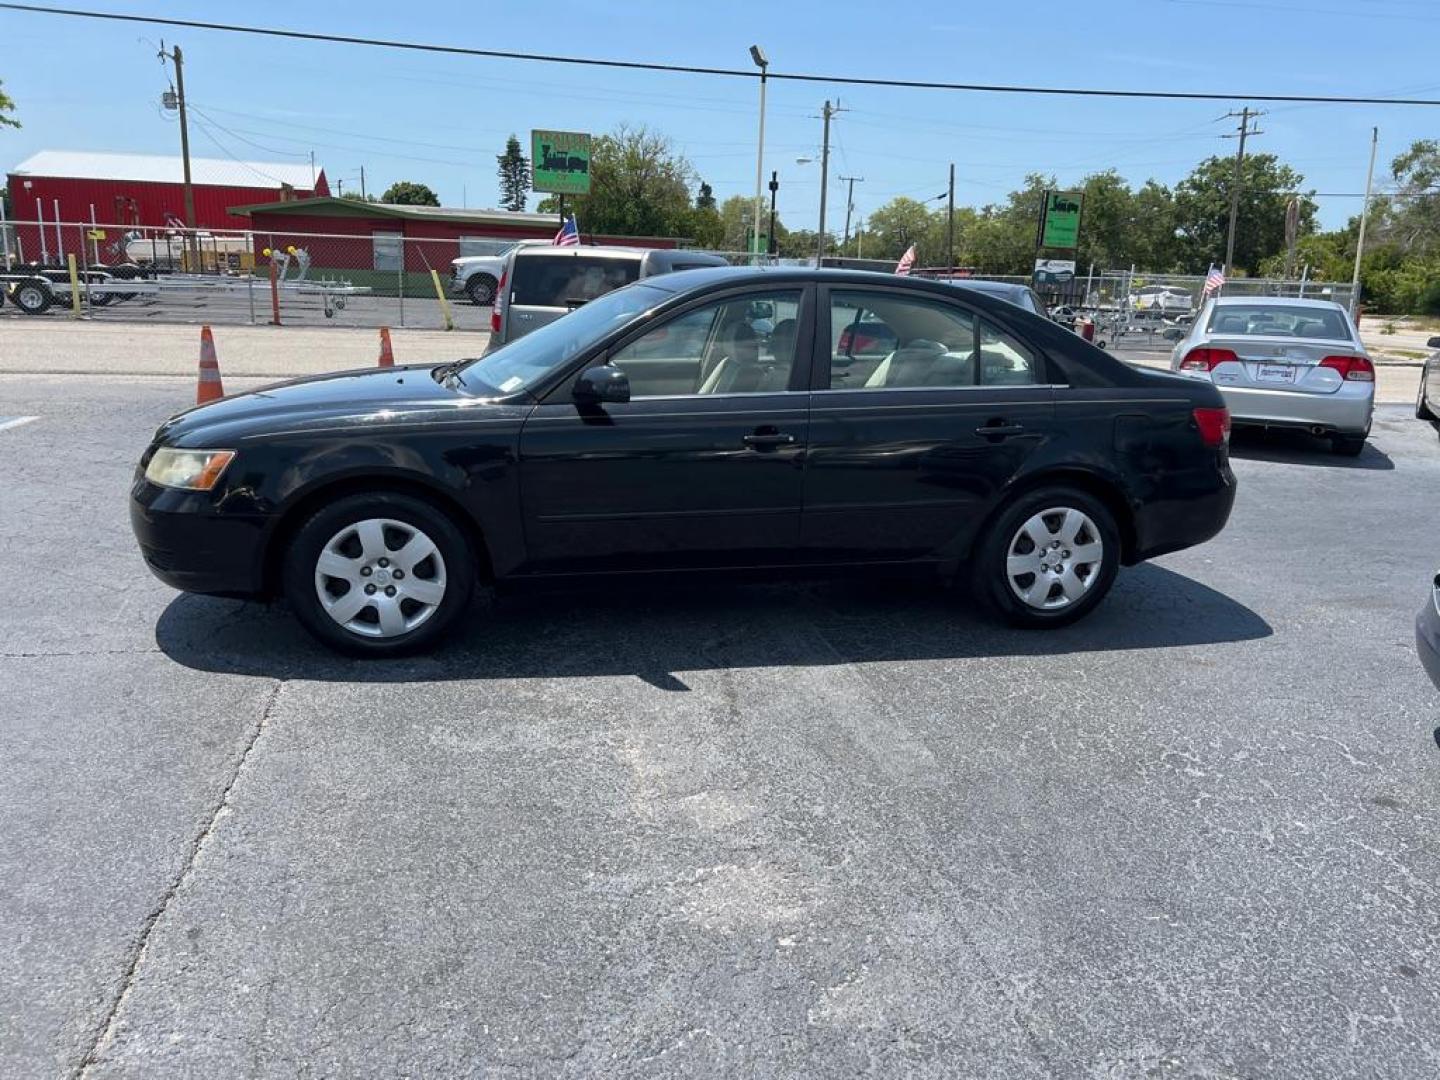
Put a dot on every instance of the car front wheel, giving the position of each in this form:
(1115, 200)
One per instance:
(379, 575)
(1048, 559)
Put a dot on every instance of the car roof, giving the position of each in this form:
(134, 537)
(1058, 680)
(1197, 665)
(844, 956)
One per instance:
(584, 249)
(1275, 301)
(720, 276)
(998, 288)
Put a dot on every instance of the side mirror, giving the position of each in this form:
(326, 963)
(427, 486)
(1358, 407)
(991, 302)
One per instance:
(601, 384)
(1433, 343)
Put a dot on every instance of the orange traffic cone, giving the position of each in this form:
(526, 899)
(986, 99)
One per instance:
(209, 387)
(387, 354)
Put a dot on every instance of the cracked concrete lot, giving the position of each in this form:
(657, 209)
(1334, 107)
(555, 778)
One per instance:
(775, 831)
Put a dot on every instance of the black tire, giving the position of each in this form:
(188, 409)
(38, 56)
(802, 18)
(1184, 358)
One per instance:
(989, 577)
(1422, 406)
(1348, 445)
(308, 543)
(33, 296)
(481, 290)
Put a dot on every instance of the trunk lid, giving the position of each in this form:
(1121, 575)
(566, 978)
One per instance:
(1281, 363)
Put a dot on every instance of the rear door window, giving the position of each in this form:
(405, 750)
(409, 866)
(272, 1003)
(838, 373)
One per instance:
(561, 281)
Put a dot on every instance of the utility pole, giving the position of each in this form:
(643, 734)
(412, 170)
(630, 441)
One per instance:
(827, 113)
(363, 196)
(849, 206)
(950, 225)
(1245, 116)
(1364, 220)
(175, 57)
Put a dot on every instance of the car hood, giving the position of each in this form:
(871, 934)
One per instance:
(364, 400)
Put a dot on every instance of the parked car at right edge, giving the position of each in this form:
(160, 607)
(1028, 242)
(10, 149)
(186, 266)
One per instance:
(1427, 398)
(1284, 363)
(1427, 632)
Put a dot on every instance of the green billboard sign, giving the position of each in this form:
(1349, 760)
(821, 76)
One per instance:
(560, 162)
(1060, 226)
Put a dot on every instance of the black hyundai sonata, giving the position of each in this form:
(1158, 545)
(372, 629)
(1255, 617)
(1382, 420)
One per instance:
(709, 421)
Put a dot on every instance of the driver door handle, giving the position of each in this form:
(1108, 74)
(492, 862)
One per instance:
(767, 440)
(998, 429)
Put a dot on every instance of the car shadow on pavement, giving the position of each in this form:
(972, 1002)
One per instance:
(654, 631)
(1301, 448)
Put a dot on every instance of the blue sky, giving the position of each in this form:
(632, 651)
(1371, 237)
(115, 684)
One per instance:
(441, 119)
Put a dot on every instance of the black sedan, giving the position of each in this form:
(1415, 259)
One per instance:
(708, 421)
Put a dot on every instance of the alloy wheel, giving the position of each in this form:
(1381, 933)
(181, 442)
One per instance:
(380, 577)
(1054, 558)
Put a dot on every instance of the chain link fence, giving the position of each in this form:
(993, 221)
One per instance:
(369, 278)
(134, 273)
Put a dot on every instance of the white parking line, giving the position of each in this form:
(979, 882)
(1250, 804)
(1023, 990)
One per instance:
(15, 421)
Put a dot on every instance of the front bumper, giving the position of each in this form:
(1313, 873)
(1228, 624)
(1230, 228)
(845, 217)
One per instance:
(1347, 411)
(191, 545)
(1427, 640)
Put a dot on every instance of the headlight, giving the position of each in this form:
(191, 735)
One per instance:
(195, 470)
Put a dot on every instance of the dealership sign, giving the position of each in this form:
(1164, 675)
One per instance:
(1054, 271)
(1060, 223)
(560, 162)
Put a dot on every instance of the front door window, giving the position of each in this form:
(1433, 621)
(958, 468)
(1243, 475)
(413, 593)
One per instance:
(742, 345)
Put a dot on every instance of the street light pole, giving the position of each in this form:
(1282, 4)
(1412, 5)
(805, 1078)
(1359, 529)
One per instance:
(763, 63)
(774, 187)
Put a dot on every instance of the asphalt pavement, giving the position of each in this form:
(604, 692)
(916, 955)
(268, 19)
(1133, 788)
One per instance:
(828, 829)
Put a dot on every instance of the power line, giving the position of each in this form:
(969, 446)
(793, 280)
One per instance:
(735, 73)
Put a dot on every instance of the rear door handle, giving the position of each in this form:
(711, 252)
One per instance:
(998, 430)
(767, 440)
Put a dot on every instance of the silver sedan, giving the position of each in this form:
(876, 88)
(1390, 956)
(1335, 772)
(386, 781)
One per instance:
(1284, 363)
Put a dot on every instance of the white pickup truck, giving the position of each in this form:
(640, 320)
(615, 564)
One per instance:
(477, 275)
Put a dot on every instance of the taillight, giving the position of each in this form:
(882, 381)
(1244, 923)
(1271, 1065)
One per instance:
(1206, 359)
(1353, 368)
(498, 302)
(1214, 425)
(844, 345)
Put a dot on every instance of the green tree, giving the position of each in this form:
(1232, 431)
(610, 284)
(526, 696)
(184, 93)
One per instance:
(1202, 211)
(1412, 224)
(801, 243)
(639, 186)
(898, 224)
(7, 108)
(514, 170)
(409, 193)
(705, 197)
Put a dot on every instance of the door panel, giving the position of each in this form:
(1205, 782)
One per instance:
(905, 474)
(908, 451)
(663, 483)
(702, 467)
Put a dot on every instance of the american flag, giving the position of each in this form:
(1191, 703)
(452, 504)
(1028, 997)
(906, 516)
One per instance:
(569, 234)
(906, 261)
(1214, 281)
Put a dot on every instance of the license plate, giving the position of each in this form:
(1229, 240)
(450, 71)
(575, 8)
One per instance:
(1276, 373)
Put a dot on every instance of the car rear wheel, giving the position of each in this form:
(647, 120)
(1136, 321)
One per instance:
(481, 289)
(379, 575)
(1048, 559)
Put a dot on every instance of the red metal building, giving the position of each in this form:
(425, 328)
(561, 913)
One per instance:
(143, 190)
(441, 233)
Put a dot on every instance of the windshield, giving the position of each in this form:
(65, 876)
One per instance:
(527, 360)
(1264, 320)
